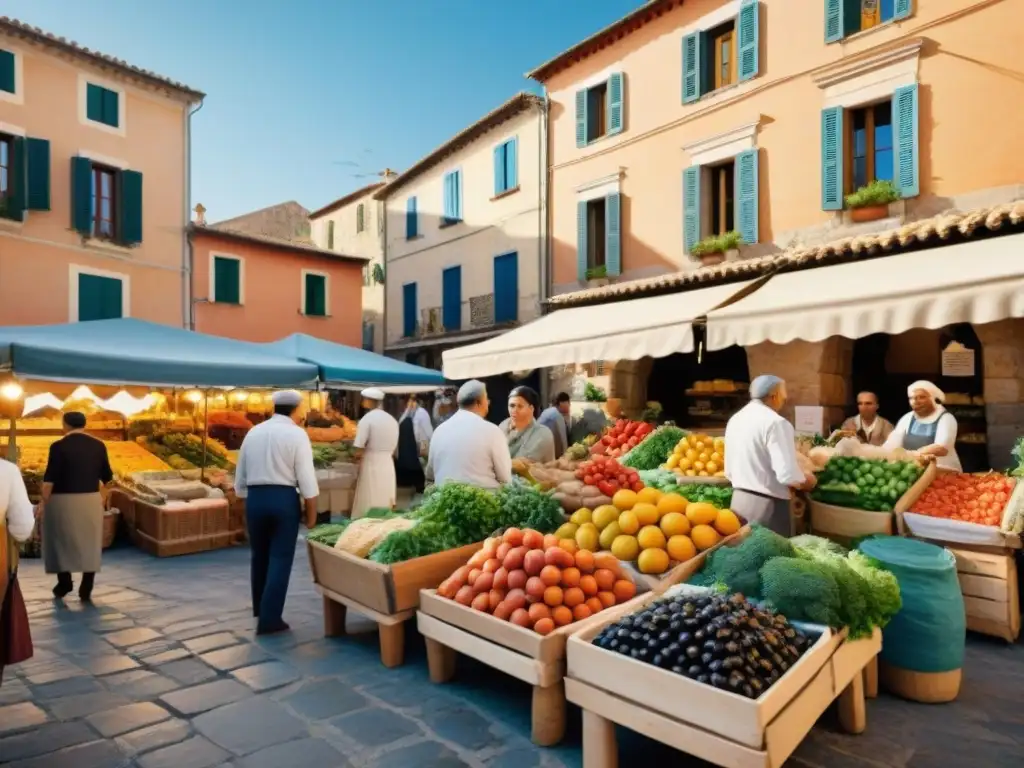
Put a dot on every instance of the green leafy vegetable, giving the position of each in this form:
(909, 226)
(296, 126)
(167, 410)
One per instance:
(327, 534)
(523, 506)
(652, 452)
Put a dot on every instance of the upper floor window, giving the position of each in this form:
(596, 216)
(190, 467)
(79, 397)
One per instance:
(227, 280)
(721, 200)
(411, 220)
(102, 105)
(452, 198)
(330, 235)
(314, 294)
(6, 167)
(598, 237)
(847, 17)
(8, 71)
(723, 55)
(599, 110)
(360, 217)
(24, 176)
(104, 202)
(869, 137)
(506, 169)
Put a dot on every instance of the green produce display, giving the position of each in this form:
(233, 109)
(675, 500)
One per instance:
(738, 567)
(324, 454)
(655, 449)
(327, 534)
(802, 589)
(523, 506)
(873, 485)
(667, 481)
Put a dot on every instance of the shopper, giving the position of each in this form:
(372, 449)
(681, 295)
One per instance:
(468, 448)
(73, 499)
(867, 426)
(929, 428)
(414, 433)
(16, 524)
(377, 439)
(527, 438)
(556, 418)
(276, 458)
(760, 460)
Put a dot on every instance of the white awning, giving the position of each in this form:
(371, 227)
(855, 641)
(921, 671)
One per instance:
(656, 326)
(973, 282)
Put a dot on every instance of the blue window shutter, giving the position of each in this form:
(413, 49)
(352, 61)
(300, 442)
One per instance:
(512, 163)
(905, 140)
(448, 204)
(832, 159)
(129, 207)
(747, 199)
(902, 9)
(7, 78)
(613, 234)
(691, 207)
(691, 67)
(581, 240)
(499, 169)
(451, 298)
(842, 18)
(18, 201)
(506, 288)
(581, 117)
(458, 195)
(37, 160)
(81, 195)
(748, 31)
(410, 218)
(409, 309)
(616, 98)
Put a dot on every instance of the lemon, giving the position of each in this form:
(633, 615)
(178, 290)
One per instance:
(691, 473)
(651, 537)
(628, 523)
(675, 524)
(672, 463)
(653, 561)
(648, 496)
(685, 464)
(716, 457)
(624, 499)
(588, 537)
(567, 531)
(671, 502)
(626, 547)
(711, 466)
(581, 516)
(704, 537)
(680, 548)
(609, 534)
(701, 513)
(604, 515)
(691, 454)
(646, 514)
(727, 523)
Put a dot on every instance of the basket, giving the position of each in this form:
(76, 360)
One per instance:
(111, 519)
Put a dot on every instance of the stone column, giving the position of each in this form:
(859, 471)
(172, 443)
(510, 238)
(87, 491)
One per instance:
(1002, 349)
(629, 384)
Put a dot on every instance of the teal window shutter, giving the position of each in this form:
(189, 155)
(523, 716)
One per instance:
(410, 218)
(409, 319)
(512, 163)
(905, 139)
(506, 288)
(832, 159)
(748, 33)
(451, 298)
(129, 208)
(449, 197)
(691, 67)
(17, 200)
(902, 9)
(110, 111)
(37, 153)
(457, 183)
(99, 298)
(613, 234)
(81, 195)
(842, 18)
(615, 103)
(316, 295)
(691, 207)
(747, 199)
(94, 103)
(7, 73)
(227, 281)
(499, 169)
(581, 240)
(581, 117)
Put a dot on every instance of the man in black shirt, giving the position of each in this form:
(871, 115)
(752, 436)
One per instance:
(73, 500)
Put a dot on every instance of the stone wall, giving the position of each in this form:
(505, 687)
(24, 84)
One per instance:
(1003, 359)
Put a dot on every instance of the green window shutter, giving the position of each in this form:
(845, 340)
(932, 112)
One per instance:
(581, 240)
(613, 234)
(905, 140)
(18, 200)
(227, 281)
(748, 33)
(360, 218)
(691, 67)
(99, 298)
(94, 103)
(902, 9)
(81, 195)
(747, 199)
(316, 295)
(581, 117)
(330, 235)
(615, 103)
(832, 159)
(129, 207)
(37, 152)
(7, 75)
(691, 207)
(111, 116)
(113, 299)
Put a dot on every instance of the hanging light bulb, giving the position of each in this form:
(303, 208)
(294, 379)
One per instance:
(11, 391)
(194, 396)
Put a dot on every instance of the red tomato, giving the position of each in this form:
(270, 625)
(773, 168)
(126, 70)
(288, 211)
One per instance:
(638, 486)
(606, 488)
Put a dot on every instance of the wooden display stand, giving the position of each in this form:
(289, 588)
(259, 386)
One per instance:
(169, 532)
(387, 594)
(989, 584)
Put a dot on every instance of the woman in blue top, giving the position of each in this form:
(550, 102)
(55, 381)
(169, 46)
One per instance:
(929, 429)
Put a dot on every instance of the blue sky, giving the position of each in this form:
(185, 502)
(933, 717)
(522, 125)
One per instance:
(299, 91)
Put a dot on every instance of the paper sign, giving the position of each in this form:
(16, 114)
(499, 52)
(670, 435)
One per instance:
(809, 419)
(957, 360)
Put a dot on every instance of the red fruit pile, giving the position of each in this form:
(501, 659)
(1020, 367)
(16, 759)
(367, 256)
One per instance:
(608, 475)
(622, 437)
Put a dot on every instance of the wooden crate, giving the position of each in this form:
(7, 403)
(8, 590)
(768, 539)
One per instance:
(168, 532)
(111, 517)
(991, 592)
(387, 594)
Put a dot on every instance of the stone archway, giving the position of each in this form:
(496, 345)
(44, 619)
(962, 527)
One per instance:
(1003, 362)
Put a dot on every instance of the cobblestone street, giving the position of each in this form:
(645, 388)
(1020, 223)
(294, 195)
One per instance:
(164, 671)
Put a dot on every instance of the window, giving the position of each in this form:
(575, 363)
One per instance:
(6, 167)
(8, 64)
(721, 197)
(227, 280)
(366, 275)
(722, 56)
(506, 288)
(869, 139)
(314, 294)
(452, 198)
(847, 17)
(411, 221)
(368, 335)
(596, 210)
(451, 298)
(723, 200)
(99, 298)
(102, 105)
(409, 320)
(104, 203)
(330, 235)
(598, 252)
(506, 170)
(360, 218)
(599, 110)
(24, 176)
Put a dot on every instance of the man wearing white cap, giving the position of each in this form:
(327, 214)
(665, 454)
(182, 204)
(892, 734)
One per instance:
(376, 441)
(468, 448)
(276, 458)
(760, 457)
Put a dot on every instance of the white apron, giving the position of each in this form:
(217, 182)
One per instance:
(376, 486)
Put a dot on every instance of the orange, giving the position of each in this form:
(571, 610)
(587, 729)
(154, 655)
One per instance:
(675, 524)
(681, 548)
(671, 502)
(704, 537)
(727, 523)
(648, 496)
(624, 499)
(653, 561)
(629, 523)
(701, 513)
(651, 537)
(646, 514)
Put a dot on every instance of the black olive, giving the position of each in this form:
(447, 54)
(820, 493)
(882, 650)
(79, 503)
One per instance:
(766, 665)
(732, 647)
(784, 666)
(715, 665)
(623, 649)
(709, 645)
(665, 637)
(748, 691)
(684, 637)
(719, 681)
(756, 684)
(622, 633)
(695, 671)
(634, 653)
(675, 625)
(672, 649)
(746, 642)
(613, 644)
(635, 635)
(657, 660)
(678, 670)
(749, 671)
(706, 657)
(699, 635)
(692, 651)
(725, 633)
(704, 679)
(691, 623)
(642, 654)
(777, 659)
(733, 662)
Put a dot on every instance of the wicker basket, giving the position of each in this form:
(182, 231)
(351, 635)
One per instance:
(111, 519)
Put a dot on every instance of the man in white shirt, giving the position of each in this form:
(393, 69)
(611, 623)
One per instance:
(760, 457)
(15, 507)
(467, 448)
(376, 442)
(276, 458)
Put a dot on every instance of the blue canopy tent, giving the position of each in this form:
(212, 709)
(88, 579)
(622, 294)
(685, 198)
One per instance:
(131, 351)
(341, 364)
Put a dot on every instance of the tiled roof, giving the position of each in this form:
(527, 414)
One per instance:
(927, 232)
(284, 221)
(102, 60)
(277, 242)
(341, 202)
(518, 103)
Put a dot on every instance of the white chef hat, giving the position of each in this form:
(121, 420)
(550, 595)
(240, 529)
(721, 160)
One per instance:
(936, 394)
(373, 393)
(286, 397)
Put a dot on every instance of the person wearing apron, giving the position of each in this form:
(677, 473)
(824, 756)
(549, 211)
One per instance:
(760, 458)
(376, 442)
(929, 429)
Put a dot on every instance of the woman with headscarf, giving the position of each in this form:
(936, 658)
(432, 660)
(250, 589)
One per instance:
(414, 433)
(527, 438)
(929, 429)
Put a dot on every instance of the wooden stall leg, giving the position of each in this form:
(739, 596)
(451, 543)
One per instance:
(392, 644)
(440, 661)
(853, 716)
(548, 714)
(600, 749)
(871, 679)
(334, 618)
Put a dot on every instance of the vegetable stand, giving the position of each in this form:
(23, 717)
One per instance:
(388, 594)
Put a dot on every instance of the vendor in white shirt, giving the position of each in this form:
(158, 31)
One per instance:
(760, 457)
(376, 443)
(929, 429)
(467, 448)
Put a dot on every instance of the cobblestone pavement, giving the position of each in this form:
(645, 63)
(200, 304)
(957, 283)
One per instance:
(164, 671)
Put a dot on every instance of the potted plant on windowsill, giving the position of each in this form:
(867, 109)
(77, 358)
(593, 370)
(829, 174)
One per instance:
(714, 249)
(597, 276)
(871, 202)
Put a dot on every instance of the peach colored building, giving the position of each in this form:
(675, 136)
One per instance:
(94, 184)
(261, 288)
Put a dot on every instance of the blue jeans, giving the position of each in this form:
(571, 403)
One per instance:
(272, 512)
